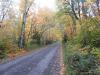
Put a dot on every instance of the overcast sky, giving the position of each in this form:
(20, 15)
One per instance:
(42, 3)
(46, 3)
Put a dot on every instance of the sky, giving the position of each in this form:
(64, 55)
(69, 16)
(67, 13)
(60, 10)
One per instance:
(51, 4)
(46, 3)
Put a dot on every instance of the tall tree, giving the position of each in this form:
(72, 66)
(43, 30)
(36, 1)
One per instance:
(98, 6)
(25, 9)
(4, 8)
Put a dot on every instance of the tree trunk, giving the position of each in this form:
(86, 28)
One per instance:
(72, 6)
(78, 8)
(22, 35)
(97, 3)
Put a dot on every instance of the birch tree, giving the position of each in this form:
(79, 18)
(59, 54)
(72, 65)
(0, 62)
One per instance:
(4, 9)
(25, 7)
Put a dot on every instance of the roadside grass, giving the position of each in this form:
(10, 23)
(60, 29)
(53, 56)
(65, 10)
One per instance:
(68, 51)
(72, 51)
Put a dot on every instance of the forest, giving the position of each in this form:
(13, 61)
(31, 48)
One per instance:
(75, 24)
(25, 27)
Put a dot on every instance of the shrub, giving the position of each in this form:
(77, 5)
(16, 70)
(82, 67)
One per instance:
(95, 38)
(83, 65)
(3, 50)
(89, 33)
(90, 38)
(81, 62)
(7, 46)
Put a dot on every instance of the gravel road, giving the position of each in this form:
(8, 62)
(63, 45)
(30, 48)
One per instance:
(45, 61)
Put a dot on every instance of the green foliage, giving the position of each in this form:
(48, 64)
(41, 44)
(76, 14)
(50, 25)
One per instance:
(82, 53)
(90, 38)
(95, 38)
(3, 50)
(78, 63)
(69, 50)
(4, 47)
(90, 33)
(85, 65)
(7, 46)
(65, 39)
(31, 46)
(36, 38)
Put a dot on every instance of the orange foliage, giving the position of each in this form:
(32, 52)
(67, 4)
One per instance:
(69, 31)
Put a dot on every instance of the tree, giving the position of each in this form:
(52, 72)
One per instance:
(98, 6)
(25, 10)
(4, 9)
(43, 22)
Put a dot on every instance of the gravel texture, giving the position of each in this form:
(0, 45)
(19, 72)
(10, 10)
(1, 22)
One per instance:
(46, 61)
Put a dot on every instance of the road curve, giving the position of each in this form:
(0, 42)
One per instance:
(46, 61)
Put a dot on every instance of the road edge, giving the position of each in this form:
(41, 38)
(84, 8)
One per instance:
(62, 71)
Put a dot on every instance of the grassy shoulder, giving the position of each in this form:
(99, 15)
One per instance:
(79, 62)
